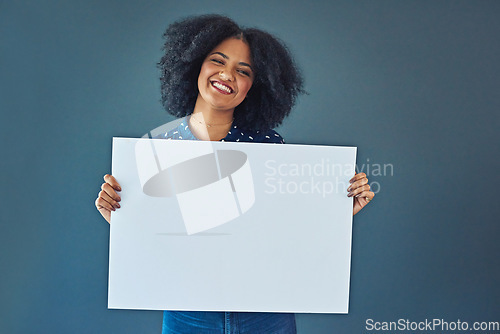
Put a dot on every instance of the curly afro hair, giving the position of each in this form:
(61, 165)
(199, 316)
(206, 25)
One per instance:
(277, 80)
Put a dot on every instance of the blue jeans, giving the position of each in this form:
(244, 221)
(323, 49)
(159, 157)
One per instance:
(181, 322)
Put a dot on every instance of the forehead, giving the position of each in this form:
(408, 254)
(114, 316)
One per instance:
(235, 49)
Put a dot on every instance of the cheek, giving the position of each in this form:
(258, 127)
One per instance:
(245, 86)
(205, 72)
(202, 75)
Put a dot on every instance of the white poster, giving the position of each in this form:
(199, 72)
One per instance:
(219, 226)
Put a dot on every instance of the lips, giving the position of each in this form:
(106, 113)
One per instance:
(222, 88)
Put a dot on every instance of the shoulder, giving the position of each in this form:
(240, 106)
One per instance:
(180, 132)
(238, 134)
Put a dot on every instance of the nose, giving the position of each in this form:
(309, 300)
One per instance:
(226, 75)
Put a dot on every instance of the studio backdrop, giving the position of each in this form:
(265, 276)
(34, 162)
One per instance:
(412, 84)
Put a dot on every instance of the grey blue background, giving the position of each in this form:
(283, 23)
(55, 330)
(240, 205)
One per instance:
(414, 84)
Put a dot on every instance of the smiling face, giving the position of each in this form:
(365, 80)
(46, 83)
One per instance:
(226, 76)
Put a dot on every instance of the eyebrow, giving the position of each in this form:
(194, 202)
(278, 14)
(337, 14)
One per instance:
(226, 57)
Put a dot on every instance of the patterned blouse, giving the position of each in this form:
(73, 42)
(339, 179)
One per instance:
(235, 134)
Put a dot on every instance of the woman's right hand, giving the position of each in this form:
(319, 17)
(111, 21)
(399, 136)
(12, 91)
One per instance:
(107, 199)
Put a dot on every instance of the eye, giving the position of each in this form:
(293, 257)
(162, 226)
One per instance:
(245, 73)
(217, 61)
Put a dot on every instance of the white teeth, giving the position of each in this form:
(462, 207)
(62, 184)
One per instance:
(221, 87)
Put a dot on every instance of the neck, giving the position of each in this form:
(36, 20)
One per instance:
(210, 124)
(210, 115)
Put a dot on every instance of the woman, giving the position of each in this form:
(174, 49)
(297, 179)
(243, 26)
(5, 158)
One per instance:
(230, 84)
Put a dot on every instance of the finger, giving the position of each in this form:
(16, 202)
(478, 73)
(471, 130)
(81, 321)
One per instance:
(106, 187)
(356, 177)
(358, 190)
(110, 179)
(101, 203)
(358, 184)
(367, 195)
(105, 213)
(108, 199)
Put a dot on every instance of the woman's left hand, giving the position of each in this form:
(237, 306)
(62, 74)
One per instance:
(360, 189)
